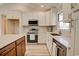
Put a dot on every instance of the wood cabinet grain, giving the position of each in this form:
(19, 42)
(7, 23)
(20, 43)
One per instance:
(11, 53)
(19, 50)
(8, 50)
(16, 48)
(23, 47)
(20, 46)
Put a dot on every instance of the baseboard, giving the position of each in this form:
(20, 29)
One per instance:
(36, 43)
(41, 43)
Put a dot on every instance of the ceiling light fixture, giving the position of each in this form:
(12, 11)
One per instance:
(42, 6)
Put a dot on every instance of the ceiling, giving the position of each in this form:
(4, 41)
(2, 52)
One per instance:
(28, 6)
(37, 6)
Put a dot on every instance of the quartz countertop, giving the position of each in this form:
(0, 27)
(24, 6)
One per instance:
(7, 39)
(62, 39)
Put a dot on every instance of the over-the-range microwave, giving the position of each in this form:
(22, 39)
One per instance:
(33, 23)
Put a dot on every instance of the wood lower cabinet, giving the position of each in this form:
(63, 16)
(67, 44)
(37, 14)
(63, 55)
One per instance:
(11, 53)
(21, 46)
(9, 50)
(19, 50)
(16, 48)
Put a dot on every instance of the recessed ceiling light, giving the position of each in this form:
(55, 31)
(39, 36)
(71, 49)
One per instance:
(42, 5)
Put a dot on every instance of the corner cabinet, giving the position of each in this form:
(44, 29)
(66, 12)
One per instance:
(16, 48)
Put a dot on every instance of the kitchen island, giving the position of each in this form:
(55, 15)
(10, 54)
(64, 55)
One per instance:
(12, 45)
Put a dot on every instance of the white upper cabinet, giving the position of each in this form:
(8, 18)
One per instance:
(66, 11)
(42, 20)
(40, 16)
(35, 16)
(51, 17)
(24, 20)
(48, 18)
(29, 16)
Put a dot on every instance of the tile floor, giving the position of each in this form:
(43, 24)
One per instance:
(37, 50)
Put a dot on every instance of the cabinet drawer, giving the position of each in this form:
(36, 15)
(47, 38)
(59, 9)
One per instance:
(11, 52)
(7, 48)
(20, 40)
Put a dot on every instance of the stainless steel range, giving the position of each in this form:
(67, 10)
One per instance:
(32, 34)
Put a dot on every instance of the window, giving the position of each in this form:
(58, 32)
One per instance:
(62, 25)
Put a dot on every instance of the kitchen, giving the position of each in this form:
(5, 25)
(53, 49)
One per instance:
(39, 29)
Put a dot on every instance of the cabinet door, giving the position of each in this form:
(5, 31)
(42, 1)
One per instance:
(19, 50)
(42, 19)
(49, 43)
(53, 16)
(23, 48)
(11, 53)
(24, 19)
(35, 16)
(48, 18)
(8, 50)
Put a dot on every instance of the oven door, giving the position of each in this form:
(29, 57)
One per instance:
(32, 38)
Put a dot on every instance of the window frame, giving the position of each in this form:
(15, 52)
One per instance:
(62, 22)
